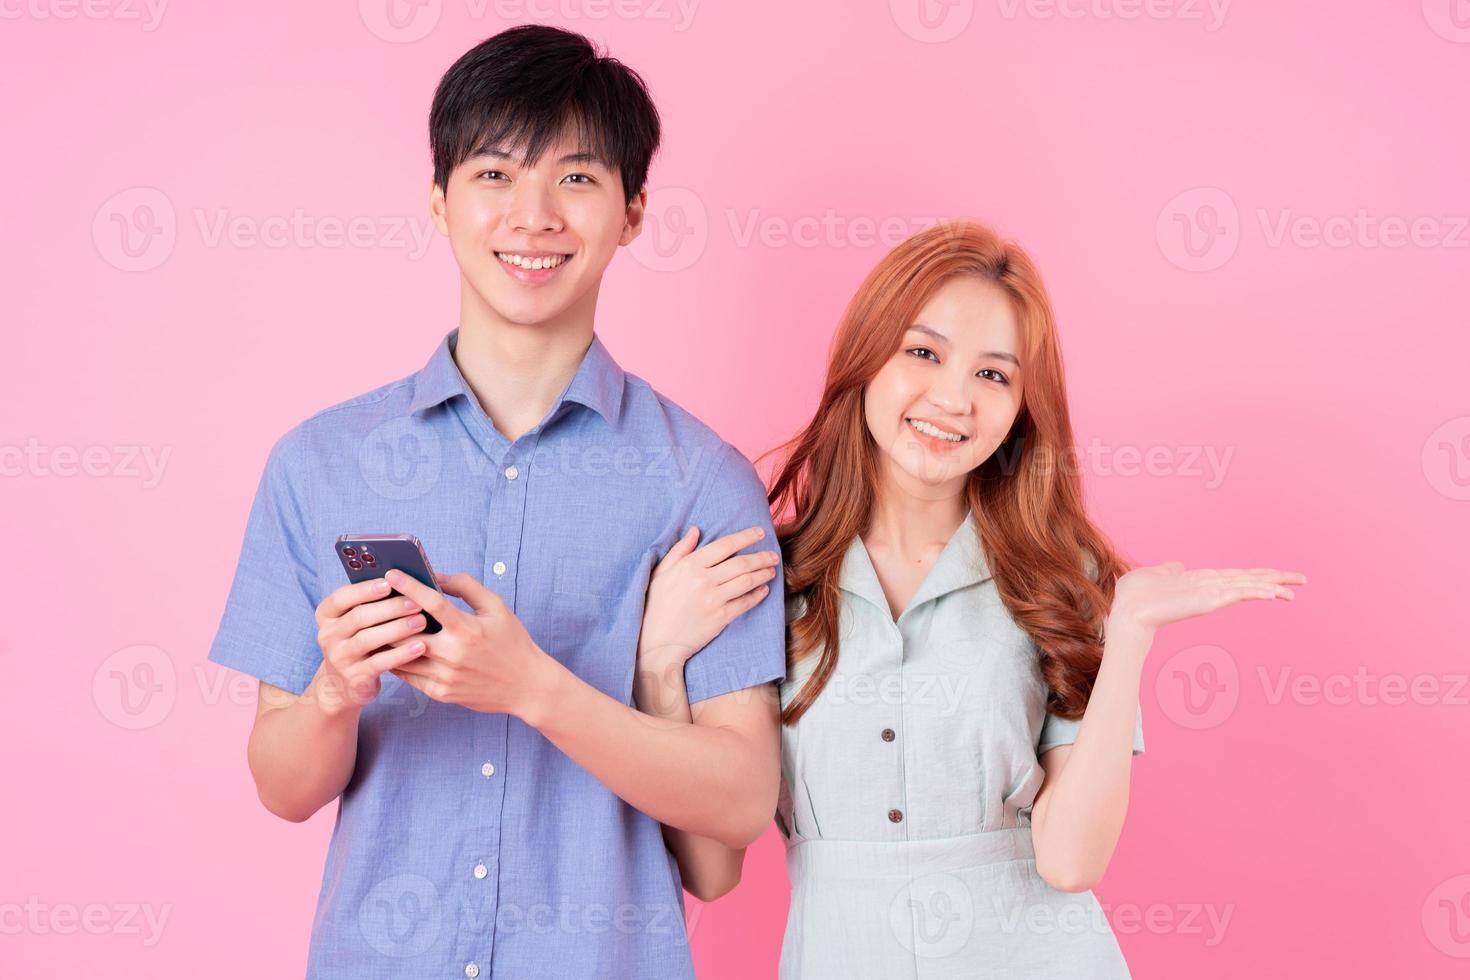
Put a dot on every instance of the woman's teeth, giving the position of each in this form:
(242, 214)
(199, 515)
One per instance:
(937, 433)
(523, 262)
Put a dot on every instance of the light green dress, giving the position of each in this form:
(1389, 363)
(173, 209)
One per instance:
(907, 789)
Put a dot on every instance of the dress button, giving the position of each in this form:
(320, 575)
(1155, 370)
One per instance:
(471, 970)
(481, 871)
(888, 735)
(487, 770)
(511, 472)
(895, 816)
(498, 568)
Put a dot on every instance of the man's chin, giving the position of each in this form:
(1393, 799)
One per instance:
(528, 311)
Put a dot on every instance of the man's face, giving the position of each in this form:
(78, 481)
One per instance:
(532, 241)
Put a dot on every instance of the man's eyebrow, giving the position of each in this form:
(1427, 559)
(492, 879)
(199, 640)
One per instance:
(495, 152)
(583, 157)
(999, 354)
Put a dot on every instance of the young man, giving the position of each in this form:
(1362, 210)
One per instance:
(501, 800)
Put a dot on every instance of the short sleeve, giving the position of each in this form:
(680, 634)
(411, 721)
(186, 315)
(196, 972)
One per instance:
(752, 649)
(268, 629)
(1063, 731)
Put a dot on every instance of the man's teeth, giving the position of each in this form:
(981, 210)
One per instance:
(521, 261)
(937, 433)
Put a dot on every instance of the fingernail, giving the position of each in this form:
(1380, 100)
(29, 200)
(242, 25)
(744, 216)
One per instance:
(381, 585)
(410, 605)
(416, 647)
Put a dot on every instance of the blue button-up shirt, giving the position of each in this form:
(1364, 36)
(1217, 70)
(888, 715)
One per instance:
(466, 844)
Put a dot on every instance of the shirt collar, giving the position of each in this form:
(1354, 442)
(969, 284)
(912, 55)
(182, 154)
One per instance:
(598, 383)
(961, 564)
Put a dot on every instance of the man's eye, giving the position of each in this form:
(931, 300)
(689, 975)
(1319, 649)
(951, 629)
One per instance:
(493, 174)
(998, 376)
(580, 178)
(923, 352)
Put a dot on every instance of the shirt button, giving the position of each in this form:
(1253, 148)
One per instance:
(487, 770)
(895, 816)
(481, 871)
(888, 735)
(499, 568)
(511, 472)
(471, 970)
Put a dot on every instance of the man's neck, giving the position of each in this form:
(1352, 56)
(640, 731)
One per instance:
(517, 371)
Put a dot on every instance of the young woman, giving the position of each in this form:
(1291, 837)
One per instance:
(961, 706)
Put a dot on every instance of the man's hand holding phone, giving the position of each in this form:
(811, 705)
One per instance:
(485, 659)
(363, 632)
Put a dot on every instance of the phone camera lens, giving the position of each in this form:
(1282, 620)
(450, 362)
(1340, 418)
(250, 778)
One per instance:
(349, 551)
(354, 564)
(368, 559)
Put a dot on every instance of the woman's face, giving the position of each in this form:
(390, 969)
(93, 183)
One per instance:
(948, 396)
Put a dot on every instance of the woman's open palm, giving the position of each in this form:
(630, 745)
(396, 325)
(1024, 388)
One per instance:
(1157, 595)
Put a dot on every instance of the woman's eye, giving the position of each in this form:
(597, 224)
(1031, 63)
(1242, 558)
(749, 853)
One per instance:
(998, 376)
(923, 352)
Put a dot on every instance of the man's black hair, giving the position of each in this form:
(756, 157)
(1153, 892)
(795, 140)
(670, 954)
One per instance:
(521, 88)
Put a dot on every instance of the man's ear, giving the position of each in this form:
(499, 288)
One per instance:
(437, 206)
(633, 219)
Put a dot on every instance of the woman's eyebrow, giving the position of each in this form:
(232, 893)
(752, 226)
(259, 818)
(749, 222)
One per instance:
(930, 331)
(998, 354)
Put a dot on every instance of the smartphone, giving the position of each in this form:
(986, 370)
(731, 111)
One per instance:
(368, 556)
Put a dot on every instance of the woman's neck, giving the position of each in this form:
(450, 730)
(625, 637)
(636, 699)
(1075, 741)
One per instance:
(914, 521)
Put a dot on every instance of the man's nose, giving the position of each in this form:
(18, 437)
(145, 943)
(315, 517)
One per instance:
(534, 211)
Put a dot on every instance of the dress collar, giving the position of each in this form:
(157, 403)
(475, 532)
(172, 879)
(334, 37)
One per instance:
(961, 564)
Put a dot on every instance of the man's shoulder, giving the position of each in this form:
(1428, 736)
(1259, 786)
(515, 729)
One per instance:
(651, 416)
(323, 435)
(723, 473)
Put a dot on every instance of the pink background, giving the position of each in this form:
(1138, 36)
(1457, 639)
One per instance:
(1325, 375)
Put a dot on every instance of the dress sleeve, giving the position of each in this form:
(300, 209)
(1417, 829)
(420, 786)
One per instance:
(1062, 731)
